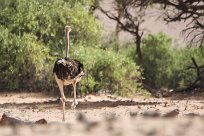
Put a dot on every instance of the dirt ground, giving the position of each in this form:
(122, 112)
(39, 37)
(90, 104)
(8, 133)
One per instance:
(179, 115)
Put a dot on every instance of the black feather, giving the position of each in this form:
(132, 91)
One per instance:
(67, 68)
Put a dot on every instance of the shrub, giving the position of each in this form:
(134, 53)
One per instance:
(22, 60)
(157, 58)
(32, 37)
(108, 71)
(164, 65)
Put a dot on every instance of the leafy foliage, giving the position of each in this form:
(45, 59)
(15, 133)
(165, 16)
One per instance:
(32, 37)
(166, 66)
(46, 20)
(108, 71)
(157, 59)
(22, 60)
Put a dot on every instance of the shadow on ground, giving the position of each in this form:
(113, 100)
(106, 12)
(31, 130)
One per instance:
(82, 105)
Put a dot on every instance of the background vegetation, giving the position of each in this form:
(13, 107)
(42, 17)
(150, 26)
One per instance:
(167, 66)
(32, 37)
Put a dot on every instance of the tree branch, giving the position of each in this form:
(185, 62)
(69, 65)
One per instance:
(113, 17)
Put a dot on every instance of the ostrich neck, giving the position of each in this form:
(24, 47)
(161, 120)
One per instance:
(67, 44)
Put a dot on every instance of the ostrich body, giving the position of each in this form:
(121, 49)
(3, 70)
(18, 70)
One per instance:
(67, 72)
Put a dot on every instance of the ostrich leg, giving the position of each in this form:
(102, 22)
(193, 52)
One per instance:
(63, 108)
(62, 98)
(61, 87)
(74, 103)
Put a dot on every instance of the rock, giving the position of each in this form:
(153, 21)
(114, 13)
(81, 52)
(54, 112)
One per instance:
(163, 92)
(6, 120)
(41, 121)
(88, 124)
(152, 114)
(133, 114)
(172, 113)
(192, 115)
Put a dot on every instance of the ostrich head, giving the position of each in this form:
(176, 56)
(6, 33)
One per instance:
(67, 29)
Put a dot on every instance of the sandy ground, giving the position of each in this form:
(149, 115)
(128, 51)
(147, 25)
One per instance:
(105, 115)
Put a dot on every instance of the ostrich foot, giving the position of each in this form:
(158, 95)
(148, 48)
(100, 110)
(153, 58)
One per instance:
(74, 104)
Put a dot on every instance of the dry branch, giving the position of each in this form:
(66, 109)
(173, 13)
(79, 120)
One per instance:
(197, 83)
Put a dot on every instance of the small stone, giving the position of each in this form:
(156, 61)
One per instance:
(172, 113)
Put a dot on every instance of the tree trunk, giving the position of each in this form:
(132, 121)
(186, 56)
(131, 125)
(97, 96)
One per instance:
(118, 28)
(138, 49)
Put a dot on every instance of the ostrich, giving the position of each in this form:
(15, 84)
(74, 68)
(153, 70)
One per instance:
(67, 71)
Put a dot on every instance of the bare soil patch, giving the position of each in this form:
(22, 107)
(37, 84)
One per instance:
(105, 115)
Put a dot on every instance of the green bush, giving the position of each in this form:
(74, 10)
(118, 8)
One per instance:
(22, 60)
(164, 65)
(46, 20)
(32, 37)
(108, 71)
(157, 59)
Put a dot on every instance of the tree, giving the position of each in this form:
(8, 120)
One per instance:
(129, 18)
(191, 11)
